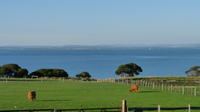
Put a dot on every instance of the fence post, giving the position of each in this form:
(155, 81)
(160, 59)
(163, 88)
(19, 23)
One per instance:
(195, 91)
(167, 87)
(54, 110)
(158, 108)
(147, 84)
(124, 106)
(189, 108)
(183, 90)
(171, 87)
(153, 85)
(144, 83)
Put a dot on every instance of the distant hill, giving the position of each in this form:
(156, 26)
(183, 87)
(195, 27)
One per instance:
(99, 47)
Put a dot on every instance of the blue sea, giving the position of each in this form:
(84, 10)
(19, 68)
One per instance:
(102, 63)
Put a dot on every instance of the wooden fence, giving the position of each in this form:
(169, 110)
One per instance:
(115, 109)
(123, 108)
(180, 89)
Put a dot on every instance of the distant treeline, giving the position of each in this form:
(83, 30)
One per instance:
(14, 70)
(124, 70)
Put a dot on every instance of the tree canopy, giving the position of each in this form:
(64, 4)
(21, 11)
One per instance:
(193, 71)
(49, 73)
(130, 69)
(83, 75)
(13, 70)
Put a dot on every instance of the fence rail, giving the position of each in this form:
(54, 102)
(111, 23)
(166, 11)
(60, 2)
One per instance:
(164, 108)
(114, 109)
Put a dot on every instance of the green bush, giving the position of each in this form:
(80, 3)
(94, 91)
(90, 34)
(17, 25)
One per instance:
(49, 73)
(13, 70)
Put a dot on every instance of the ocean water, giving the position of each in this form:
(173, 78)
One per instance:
(103, 63)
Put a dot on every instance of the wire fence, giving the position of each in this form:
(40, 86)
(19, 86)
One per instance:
(123, 108)
(160, 85)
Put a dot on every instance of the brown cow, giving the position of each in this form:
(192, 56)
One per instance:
(134, 88)
(31, 95)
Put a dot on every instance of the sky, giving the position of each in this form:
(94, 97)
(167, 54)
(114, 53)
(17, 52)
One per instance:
(99, 22)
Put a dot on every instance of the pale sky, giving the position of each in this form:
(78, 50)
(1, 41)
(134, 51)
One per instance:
(99, 22)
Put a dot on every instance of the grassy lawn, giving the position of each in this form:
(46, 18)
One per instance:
(68, 94)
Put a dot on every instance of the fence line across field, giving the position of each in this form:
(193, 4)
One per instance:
(123, 108)
(184, 90)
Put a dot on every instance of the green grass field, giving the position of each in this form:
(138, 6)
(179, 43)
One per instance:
(69, 94)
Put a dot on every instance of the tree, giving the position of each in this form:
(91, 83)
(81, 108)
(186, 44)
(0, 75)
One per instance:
(13, 67)
(49, 73)
(193, 71)
(83, 75)
(5, 71)
(22, 73)
(13, 70)
(130, 69)
(35, 73)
